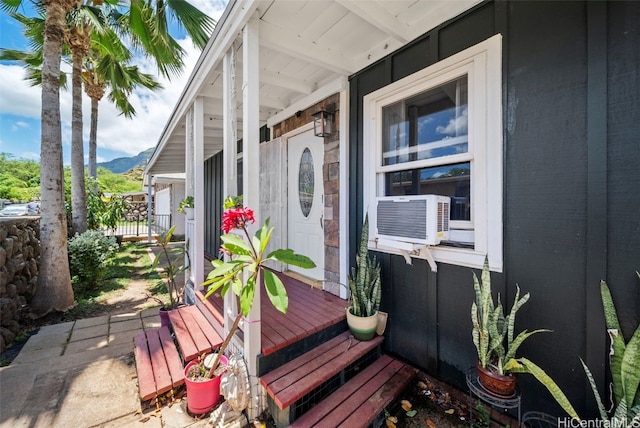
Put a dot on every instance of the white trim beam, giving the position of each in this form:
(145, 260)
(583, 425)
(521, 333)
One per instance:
(375, 15)
(291, 44)
(335, 86)
(286, 82)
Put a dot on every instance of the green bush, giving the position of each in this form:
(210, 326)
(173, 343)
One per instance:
(89, 255)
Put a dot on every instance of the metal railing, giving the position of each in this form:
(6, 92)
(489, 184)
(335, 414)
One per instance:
(137, 225)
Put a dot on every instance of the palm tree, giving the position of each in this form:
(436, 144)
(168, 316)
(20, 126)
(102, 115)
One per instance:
(147, 26)
(79, 41)
(106, 67)
(54, 291)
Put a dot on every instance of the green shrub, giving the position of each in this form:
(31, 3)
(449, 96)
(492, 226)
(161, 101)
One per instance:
(89, 255)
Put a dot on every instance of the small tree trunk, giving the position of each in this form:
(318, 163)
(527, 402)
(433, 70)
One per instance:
(224, 345)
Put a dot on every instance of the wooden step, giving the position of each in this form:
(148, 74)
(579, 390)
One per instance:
(359, 401)
(304, 380)
(194, 333)
(158, 363)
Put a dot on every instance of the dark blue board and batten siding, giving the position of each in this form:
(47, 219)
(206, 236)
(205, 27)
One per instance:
(571, 214)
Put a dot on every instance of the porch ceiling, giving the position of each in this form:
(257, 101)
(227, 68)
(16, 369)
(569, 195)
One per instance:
(304, 45)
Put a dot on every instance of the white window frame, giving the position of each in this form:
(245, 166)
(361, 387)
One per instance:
(482, 64)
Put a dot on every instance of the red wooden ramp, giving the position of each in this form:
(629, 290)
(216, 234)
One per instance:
(159, 362)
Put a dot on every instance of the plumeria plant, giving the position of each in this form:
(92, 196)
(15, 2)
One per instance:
(246, 253)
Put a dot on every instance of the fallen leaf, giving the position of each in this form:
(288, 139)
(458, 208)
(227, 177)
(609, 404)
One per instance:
(412, 413)
(406, 405)
(449, 412)
(393, 419)
(431, 424)
(143, 420)
(422, 385)
(390, 424)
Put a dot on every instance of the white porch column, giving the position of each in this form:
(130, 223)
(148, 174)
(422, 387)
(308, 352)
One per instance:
(251, 175)
(189, 167)
(197, 240)
(229, 153)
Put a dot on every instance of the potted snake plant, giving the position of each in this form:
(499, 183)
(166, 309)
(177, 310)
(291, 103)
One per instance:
(493, 337)
(365, 288)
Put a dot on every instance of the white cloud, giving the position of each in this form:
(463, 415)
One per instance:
(18, 98)
(456, 126)
(115, 132)
(30, 155)
(19, 124)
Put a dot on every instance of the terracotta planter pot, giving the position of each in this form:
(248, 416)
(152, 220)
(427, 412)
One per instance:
(498, 384)
(362, 328)
(202, 397)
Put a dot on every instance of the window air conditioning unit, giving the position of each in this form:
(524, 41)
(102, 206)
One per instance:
(420, 219)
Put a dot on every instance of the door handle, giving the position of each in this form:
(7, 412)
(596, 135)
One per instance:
(321, 222)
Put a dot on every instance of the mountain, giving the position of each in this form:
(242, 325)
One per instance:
(120, 165)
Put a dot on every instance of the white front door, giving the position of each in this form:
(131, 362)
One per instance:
(305, 154)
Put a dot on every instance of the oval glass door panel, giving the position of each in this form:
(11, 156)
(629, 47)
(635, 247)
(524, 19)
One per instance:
(306, 182)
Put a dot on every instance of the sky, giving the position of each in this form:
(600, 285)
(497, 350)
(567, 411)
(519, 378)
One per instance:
(117, 136)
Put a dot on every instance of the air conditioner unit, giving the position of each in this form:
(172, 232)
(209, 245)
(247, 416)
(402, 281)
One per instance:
(420, 219)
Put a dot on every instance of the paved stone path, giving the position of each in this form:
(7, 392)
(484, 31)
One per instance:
(82, 374)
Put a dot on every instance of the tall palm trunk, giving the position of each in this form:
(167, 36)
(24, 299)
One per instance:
(79, 44)
(93, 139)
(95, 90)
(54, 291)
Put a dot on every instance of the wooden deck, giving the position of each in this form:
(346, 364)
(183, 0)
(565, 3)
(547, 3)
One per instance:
(310, 311)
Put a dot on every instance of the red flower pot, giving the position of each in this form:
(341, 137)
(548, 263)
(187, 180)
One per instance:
(202, 397)
(493, 382)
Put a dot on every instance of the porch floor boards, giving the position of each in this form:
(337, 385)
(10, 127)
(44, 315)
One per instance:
(310, 310)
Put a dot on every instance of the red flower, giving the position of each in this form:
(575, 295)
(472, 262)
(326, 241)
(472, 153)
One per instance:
(236, 218)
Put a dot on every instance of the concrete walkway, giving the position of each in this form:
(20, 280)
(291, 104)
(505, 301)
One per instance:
(82, 374)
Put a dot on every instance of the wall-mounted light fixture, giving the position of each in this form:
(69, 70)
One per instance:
(323, 121)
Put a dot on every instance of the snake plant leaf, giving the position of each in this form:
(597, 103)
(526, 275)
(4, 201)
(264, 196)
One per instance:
(635, 419)
(528, 366)
(511, 319)
(524, 335)
(629, 369)
(289, 257)
(596, 394)
(620, 415)
(276, 291)
(617, 349)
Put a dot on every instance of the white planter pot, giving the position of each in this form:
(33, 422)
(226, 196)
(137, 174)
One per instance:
(189, 212)
(362, 328)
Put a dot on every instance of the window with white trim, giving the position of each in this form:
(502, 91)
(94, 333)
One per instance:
(439, 131)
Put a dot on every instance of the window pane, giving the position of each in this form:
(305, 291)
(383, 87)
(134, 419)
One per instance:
(306, 182)
(447, 180)
(428, 125)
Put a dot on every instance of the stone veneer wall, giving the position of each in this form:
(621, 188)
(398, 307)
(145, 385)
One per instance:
(19, 264)
(331, 174)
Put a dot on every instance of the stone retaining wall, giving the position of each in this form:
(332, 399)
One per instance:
(19, 264)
